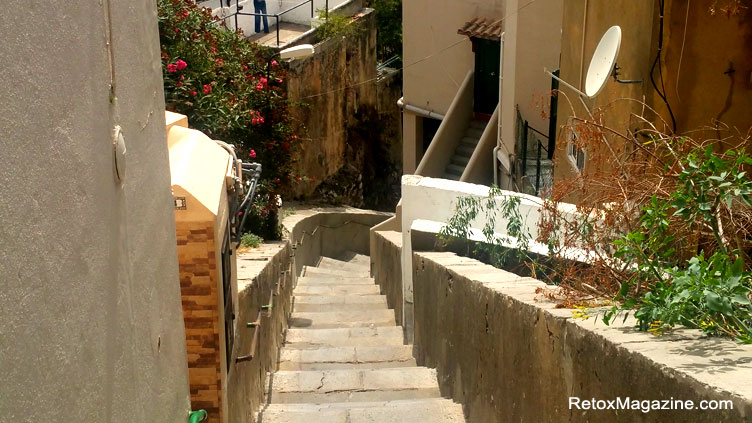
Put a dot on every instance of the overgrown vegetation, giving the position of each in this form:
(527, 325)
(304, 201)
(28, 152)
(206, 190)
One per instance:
(232, 90)
(389, 20)
(250, 240)
(665, 223)
(335, 25)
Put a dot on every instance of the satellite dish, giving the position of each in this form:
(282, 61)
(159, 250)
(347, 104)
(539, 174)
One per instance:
(603, 61)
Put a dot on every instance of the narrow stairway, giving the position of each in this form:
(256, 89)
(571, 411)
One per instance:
(465, 150)
(344, 361)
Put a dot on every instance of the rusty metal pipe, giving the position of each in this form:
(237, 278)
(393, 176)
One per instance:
(254, 341)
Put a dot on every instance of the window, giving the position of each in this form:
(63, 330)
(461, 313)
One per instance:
(576, 154)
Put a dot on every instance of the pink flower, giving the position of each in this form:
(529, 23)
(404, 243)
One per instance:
(245, 67)
(182, 77)
(252, 154)
(264, 80)
(279, 80)
(259, 87)
(181, 64)
(179, 84)
(177, 30)
(219, 61)
(207, 88)
(172, 68)
(274, 63)
(193, 93)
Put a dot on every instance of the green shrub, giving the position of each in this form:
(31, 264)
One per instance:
(251, 240)
(232, 90)
(334, 25)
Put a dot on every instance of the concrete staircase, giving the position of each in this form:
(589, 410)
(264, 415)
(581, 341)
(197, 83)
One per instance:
(344, 361)
(465, 150)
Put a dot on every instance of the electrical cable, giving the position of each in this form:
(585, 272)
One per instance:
(660, 66)
(417, 61)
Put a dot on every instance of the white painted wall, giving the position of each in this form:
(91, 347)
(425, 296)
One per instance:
(426, 200)
(92, 324)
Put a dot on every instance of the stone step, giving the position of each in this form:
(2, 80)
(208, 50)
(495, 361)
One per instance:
(342, 319)
(311, 303)
(453, 169)
(475, 132)
(325, 358)
(355, 258)
(334, 290)
(469, 142)
(429, 410)
(460, 160)
(325, 271)
(450, 177)
(312, 338)
(333, 280)
(353, 385)
(478, 124)
(330, 263)
(464, 151)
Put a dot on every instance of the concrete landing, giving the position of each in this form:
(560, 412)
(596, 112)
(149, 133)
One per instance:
(287, 32)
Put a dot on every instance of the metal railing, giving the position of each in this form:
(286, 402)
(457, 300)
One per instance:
(276, 16)
(526, 133)
(266, 308)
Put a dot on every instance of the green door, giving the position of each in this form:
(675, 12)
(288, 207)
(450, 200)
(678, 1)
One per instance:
(487, 58)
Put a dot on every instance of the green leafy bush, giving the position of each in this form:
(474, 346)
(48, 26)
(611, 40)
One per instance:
(389, 20)
(712, 294)
(232, 90)
(251, 240)
(334, 25)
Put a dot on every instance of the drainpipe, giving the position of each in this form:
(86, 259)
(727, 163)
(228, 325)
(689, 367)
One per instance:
(418, 111)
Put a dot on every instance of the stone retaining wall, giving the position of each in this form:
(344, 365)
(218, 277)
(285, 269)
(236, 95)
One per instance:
(509, 356)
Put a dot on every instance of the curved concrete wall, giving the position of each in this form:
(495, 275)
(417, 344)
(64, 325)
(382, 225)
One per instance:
(89, 293)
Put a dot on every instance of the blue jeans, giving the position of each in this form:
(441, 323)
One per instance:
(260, 7)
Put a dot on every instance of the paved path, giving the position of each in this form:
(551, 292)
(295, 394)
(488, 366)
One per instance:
(344, 360)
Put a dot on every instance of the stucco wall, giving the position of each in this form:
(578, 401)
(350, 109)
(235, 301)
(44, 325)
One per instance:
(706, 50)
(386, 267)
(92, 324)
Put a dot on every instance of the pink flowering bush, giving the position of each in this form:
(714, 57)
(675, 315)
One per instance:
(233, 91)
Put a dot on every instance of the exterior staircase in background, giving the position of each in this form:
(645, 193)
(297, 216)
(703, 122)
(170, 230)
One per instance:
(465, 150)
(344, 361)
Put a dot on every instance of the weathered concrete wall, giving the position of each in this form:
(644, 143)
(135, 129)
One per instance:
(309, 234)
(260, 273)
(330, 232)
(90, 299)
(508, 356)
(326, 83)
(386, 267)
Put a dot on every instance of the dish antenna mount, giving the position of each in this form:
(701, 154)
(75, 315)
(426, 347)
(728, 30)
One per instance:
(602, 65)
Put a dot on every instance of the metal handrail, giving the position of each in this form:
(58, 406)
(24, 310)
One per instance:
(276, 16)
(256, 325)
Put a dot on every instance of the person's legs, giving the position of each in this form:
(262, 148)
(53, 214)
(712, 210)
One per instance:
(257, 19)
(266, 21)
